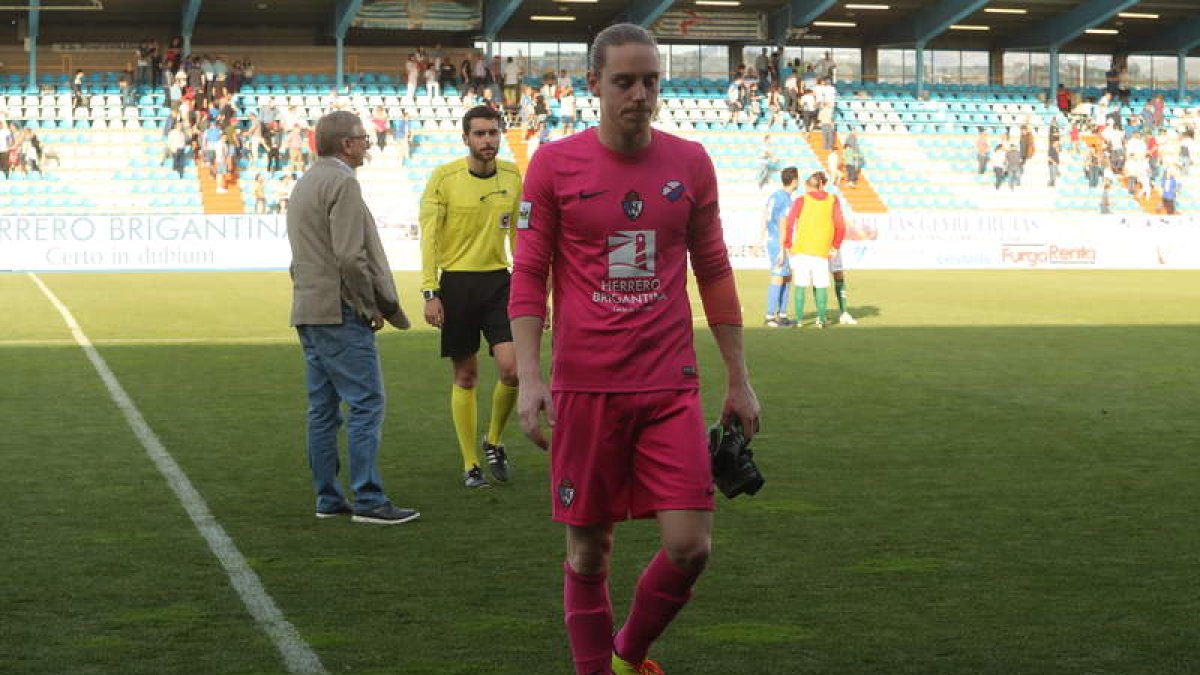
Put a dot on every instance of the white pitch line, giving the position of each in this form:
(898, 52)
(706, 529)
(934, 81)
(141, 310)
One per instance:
(297, 654)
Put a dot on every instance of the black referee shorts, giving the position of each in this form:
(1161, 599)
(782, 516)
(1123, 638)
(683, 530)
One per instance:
(474, 303)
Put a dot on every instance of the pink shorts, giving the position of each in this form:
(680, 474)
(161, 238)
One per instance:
(619, 455)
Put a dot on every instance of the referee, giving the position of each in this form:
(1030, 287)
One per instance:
(468, 216)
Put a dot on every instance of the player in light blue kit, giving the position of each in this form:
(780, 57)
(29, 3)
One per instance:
(781, 273)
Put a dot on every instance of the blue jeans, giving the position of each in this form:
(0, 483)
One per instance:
(343, 366)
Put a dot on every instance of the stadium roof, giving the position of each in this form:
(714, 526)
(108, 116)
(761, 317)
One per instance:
(1027, 25)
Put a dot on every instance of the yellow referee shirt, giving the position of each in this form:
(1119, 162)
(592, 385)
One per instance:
(466, 220)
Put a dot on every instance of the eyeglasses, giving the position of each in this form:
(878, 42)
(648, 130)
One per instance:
(360, 137)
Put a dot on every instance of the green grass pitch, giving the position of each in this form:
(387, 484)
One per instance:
(994, 473)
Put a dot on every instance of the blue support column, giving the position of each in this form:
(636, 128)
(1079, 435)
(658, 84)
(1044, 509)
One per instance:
(919, 73)
(340, 68)
(187, 24)
(496, 13)
(1052, 99)
(1181, 73)
(35, 19)
(344, 14)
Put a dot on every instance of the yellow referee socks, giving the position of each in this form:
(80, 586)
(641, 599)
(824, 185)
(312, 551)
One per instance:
(462, 411)
(504, 399)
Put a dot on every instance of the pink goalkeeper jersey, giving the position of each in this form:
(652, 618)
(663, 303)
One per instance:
(619, 230)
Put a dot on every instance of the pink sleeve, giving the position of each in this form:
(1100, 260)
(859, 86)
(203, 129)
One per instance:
(706, 239)
(537, 226)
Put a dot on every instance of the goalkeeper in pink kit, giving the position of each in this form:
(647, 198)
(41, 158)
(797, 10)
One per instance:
(610, 217)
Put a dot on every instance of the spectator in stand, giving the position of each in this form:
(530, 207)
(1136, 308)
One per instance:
(1075, 137)
(432, 86)
(1063, 98)
(775, 104)
(826, 68)
(402, 130)
(512, 80)
(826, 93)
(260, 194)
(382, 127)
(464, 74)
(296, 148)
(825, 120)
(1170, 190)
(997, 162)
(982, 146)
(1092, 166)
(220, 153)
(77, 95)
(177, 146)
(7, 138)
(274, 144)
(1112, 80)
(1187, 151)
(479, 72)
(1052, 159)
(173, 56)
(833, 166)
(791, 92)
(284, 192)
(810, 76)
(733, 99)
(412, 74)
(808, 110)
(562, 83)
(248, 72)
(567, 111)
(252, 138)
(1026, 144)
(31, 151)
(142, 74)
(762, 64)
(1013, 164)
(852, 159)
(541, 110)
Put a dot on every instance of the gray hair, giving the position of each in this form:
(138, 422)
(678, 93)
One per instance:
(614, 36)
(333, 128)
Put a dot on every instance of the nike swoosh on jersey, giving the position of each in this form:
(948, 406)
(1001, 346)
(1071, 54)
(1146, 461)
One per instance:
(589, 195)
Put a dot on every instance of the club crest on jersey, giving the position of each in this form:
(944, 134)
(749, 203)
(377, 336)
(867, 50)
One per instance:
(566, 493)
(673, 190)
(633, 205)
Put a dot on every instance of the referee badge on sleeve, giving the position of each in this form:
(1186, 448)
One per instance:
(523, 215)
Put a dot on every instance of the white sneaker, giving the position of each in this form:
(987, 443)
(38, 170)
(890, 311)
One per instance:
(845, 318)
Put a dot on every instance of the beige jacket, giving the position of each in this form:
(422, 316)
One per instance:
(336, 253)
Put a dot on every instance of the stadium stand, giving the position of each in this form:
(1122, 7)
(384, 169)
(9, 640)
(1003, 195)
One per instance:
(108, 157)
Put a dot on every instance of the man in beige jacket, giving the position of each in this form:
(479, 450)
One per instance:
(343, 292)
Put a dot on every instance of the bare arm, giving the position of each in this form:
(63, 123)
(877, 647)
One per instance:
(740, 400)
(534, 394)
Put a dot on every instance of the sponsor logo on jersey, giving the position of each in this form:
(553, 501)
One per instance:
(673, 190)
(633, 205)
(505, 220)
(523, 214)
(631, 254)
